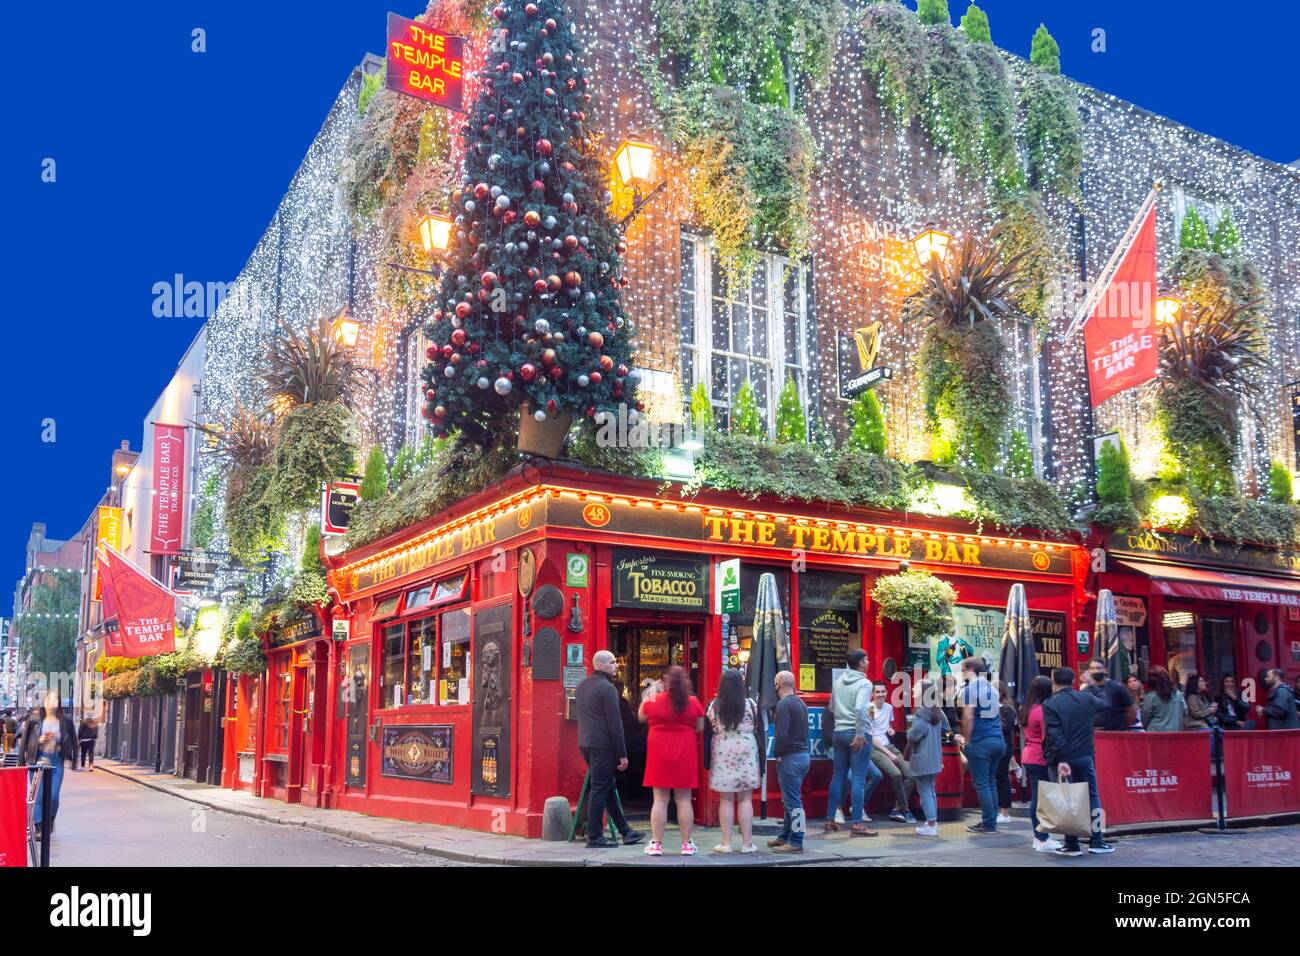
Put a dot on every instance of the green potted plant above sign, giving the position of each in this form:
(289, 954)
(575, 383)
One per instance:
(918, 599)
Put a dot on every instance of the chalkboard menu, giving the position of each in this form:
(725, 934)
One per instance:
(825, 638)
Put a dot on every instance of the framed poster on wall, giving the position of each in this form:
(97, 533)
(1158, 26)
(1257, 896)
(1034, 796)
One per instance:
(492, 696)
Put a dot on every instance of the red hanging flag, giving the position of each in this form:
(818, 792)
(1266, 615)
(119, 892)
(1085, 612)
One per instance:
(1120, 335)
(112, 637)
(146, 611)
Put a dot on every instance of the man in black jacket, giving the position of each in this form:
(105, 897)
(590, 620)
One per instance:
(1067, 718)
(600, 738)
(1280, 710)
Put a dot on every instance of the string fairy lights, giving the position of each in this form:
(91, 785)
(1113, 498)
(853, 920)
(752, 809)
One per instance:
(877, 184)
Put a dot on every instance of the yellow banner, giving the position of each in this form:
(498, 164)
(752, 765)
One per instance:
(108, 532)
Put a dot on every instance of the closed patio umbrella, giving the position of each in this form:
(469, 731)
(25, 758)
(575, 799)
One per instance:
(1105, 637)
(1018, 664)
(769, 631)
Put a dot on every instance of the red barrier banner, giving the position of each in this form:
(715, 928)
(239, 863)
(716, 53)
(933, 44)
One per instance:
(1262, 772)
(13, 816)
(1154, 777)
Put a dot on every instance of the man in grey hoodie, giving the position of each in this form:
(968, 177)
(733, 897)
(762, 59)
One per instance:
(851, 746)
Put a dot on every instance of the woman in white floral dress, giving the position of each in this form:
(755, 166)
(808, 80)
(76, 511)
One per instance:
(733, 759)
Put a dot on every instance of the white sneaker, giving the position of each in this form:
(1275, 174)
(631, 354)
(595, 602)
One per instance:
(1047, 846)
(926, 830)
(839, 817)
(1004, 818)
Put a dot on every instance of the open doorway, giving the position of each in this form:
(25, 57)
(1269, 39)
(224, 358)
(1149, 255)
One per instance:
(645, 650)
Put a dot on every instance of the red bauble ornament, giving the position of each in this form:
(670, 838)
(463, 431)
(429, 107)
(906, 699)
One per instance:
(464, 310)
(488, 279)
(516, 78)
(431, 352)
(548, 357)
(595, 378)
(551, 406)
(595, 339)
(481, 191)
(531, 9)
(557, 372)
(591, 411)
(539, 286)
(622, 369)
(544, 147)
(426, 411)
(533, 273)
(430, 394)
(550, 24)
(509, 216)
(527, 371)
(573, 279)
(607, 363)
(538, 185)
(553, 283)
(570, 242)
(458, 337)
(446, 351)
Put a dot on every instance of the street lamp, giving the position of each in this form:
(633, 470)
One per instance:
(435, 232)
(345, 328)
(634, 163)
(1167, 307)
(930, 244)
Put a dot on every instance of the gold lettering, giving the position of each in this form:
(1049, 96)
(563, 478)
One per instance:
(970, 554)
(766, 532)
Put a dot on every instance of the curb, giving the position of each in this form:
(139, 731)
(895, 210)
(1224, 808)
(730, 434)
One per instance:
(455, 855)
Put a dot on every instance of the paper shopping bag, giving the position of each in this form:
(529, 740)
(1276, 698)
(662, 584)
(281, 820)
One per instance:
(1063, 808)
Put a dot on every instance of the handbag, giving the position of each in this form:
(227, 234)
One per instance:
(1063, 807)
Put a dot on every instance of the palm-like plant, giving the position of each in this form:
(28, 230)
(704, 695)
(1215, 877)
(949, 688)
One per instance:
(244, 444)
(964, 379)
(1217, 347)
(1210, 357)
(976, 287)
(307, 368)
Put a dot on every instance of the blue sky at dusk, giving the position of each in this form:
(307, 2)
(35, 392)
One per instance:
(173, 162)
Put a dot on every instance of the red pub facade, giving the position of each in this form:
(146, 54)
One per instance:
(441, 689)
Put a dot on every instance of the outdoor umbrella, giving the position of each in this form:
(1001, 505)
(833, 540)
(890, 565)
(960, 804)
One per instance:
(769, 631)
(1105, 637)
(1018, 664)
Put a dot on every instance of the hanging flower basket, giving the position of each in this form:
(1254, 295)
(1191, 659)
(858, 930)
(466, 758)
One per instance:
(543, 438)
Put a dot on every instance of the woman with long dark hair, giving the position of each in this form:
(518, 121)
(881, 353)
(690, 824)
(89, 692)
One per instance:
(1032, 758)
(1202, 713)
(1163, 707)
(674, 716)
(733, 759)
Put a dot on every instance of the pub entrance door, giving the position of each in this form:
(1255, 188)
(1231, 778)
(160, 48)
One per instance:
(646, 646)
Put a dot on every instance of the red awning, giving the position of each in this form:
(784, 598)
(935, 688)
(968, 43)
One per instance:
(1199, 584)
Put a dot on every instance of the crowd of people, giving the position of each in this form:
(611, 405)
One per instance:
(1049, 737)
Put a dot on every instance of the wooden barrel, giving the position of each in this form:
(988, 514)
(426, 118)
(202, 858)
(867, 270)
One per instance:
(949, 783)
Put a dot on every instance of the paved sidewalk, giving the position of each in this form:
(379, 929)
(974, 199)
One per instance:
(897, 842)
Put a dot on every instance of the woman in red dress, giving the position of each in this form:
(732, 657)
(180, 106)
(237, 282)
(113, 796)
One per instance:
(672, 755)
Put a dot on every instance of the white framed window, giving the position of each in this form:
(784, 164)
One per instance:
(759, 331)
(1208, 210)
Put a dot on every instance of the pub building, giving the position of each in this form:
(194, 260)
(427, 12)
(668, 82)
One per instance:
(1200, 606)
(439, 686)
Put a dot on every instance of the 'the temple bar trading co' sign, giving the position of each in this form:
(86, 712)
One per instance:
(425, 63)
(168, 488)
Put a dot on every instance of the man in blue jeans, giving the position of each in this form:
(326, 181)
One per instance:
(1068, 748)
(851, 746)
(790, 751)
(981, 728)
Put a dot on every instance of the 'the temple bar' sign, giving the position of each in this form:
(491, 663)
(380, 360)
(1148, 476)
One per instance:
(425, 63)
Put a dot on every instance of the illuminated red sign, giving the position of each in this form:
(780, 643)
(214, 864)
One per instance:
(425, 63)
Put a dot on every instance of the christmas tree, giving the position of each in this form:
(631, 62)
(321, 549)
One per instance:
(529, 307)
(1044, 51)
(868, 418)
(1225, 239)
(374, 480)
(1195, 234)
(744, 413)
(791, 424)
